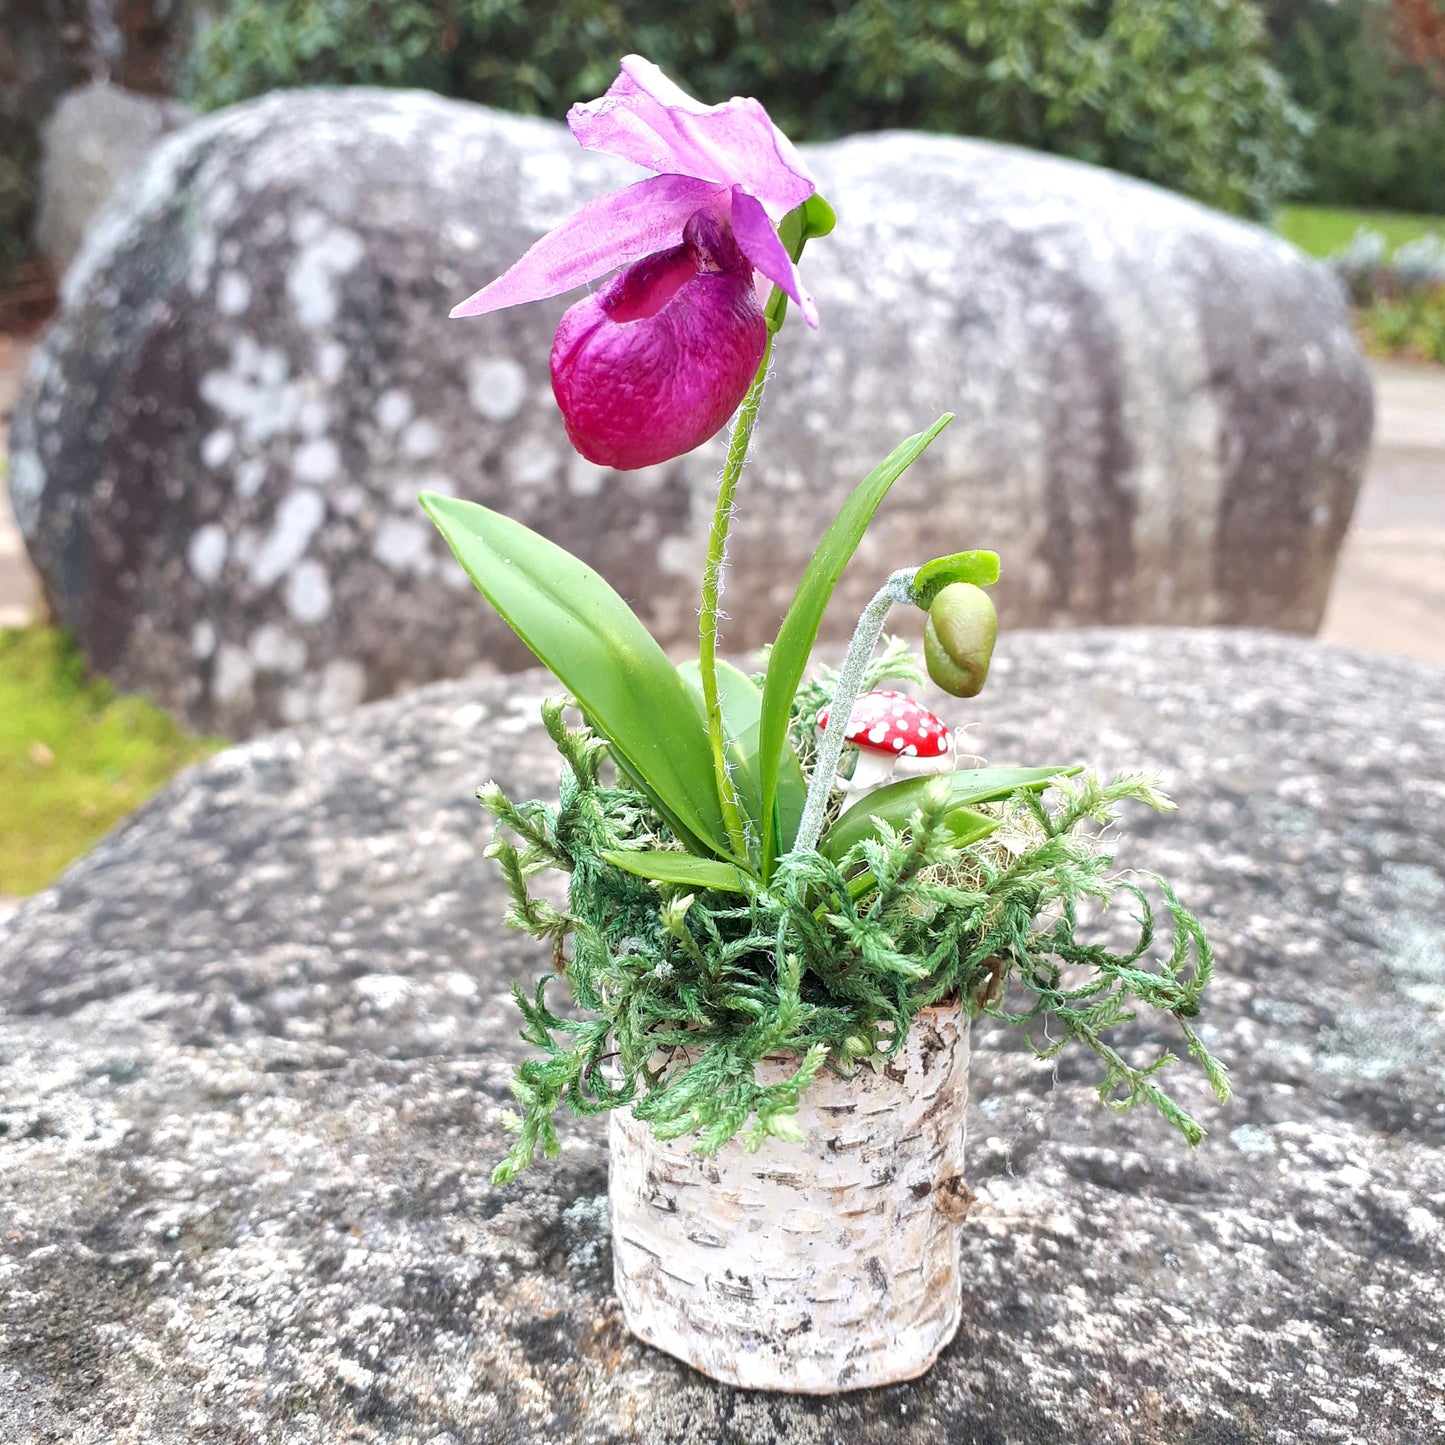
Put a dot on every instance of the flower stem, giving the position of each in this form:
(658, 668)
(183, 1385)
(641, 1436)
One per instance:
(898, 588)
(717, 541)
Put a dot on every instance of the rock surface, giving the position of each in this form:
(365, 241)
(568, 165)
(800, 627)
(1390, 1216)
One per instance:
(1162, 413)
(96, 138)
(254, 1055)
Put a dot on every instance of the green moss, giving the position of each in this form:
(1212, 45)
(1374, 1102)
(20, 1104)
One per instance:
(678, 996)
(75, 757)
(1323, 230)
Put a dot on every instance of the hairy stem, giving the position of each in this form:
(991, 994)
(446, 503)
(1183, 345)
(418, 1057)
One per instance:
(898, 588)
(717, 542)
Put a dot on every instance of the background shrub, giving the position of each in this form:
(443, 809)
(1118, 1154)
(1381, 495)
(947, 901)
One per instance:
(1366, 70)
(1176, 91)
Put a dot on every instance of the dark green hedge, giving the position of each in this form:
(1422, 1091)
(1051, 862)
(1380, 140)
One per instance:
(1379, 134)
(1176, 91)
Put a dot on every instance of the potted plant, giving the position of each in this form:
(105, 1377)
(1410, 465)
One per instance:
(786, 900)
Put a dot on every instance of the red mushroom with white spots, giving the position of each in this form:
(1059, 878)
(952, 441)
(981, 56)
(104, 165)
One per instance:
(895, 737)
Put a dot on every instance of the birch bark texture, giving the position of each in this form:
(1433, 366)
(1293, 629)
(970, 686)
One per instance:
(811, 1268)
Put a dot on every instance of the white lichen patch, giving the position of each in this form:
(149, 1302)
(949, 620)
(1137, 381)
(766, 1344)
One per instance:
(326, 253)
(468, 716)
(254, 391)
(314, 417)
(548, 190)
(206, 552)
(297, 518)
(421, 439)
(316, 461)
(234, 673)
(496, 387)
(383, 991)
(394, 409)
(26, 483)
(217, 446)
(584, 478)
(203, 640)
(233, 293)
(343, 687)
(330, 362)
(402, 544)
(273, 649)
(249, 477)
(532, 462)
(308, 592)
(1250, 1139)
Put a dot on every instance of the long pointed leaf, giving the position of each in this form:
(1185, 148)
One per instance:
(898, 802)
(682, 869)
(580, 628)
(799, 631)
(742, 704)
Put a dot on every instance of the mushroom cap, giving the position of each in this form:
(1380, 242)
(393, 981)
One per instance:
(894, 725)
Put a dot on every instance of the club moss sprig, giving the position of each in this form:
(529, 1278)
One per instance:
(683, 992)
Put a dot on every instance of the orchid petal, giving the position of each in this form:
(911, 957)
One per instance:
(759, 242)
(646, 118)
(650, 366)
(608, 232)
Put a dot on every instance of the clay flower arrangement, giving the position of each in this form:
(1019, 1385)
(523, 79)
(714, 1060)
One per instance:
(786, 898)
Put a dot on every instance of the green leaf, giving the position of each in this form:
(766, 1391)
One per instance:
(682, 869)
(979, 568)
(789, 657)
(742, 703)
(580, 628)
(897, 802)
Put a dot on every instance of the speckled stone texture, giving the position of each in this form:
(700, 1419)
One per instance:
(254, 1054)
(1162, 413)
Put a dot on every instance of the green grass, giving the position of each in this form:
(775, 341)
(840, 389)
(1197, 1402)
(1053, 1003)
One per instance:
(75, 757)
(1321, 230)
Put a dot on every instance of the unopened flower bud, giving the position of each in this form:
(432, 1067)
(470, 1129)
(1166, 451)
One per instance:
(959, 637)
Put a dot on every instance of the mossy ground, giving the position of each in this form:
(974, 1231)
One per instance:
(75, 756)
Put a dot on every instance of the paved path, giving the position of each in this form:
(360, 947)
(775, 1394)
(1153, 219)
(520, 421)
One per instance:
(17, 583)
(1389, 590)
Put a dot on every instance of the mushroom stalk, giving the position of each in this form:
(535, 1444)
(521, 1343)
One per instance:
(898, 588)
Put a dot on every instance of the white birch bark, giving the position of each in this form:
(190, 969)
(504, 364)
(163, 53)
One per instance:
(816, 1267)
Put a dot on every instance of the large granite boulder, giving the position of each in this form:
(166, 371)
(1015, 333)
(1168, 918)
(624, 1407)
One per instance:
(254, 1055)
(1162, 413)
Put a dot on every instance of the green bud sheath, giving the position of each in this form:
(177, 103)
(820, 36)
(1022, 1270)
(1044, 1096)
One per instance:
(959, 637)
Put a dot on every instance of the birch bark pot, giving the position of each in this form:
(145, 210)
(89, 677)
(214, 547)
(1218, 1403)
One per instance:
(816, 1267)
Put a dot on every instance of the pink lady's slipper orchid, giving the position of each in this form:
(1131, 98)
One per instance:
(656, 361)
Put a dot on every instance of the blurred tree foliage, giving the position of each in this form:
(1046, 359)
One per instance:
(1372, 73)
(1177, 91)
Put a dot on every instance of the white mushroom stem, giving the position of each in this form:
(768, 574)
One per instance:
(875, 770)
(898, 588)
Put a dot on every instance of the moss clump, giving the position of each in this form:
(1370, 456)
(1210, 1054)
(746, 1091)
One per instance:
(75, 757)
(680, 994)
